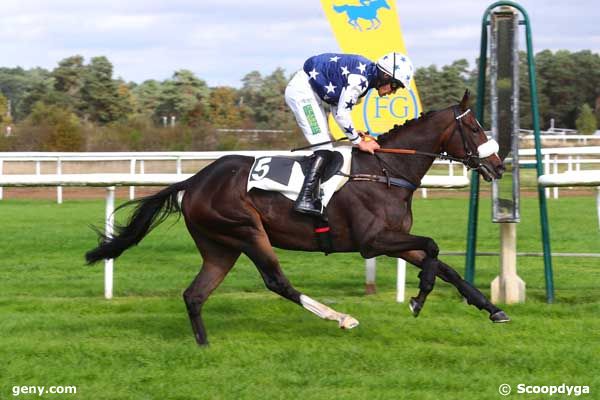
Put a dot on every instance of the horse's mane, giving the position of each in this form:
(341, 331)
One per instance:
(397, 129)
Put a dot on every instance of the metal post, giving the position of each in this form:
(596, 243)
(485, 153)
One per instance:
(59, 189)
(400, 280)
(555, 171)
(471, 235)
(370, 267)
(538, 156)
(108, 231)
(132, 172)
(547, 171)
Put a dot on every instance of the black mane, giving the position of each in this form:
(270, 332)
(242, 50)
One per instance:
(381, 139)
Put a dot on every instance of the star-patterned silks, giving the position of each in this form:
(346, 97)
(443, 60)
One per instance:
(330, 88)
(334, 59)
(313, 74)
(349, 105)
(361, 67)
(345, 71)
(348, 129)
(363, 85)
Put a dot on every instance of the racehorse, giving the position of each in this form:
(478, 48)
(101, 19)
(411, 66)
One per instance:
(368, 10)
(370, 215)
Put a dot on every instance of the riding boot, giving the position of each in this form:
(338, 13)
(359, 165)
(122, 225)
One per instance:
(309, 199)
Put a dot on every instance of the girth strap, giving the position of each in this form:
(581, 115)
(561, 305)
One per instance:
(389, 181)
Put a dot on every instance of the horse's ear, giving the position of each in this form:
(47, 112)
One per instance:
(464, 103)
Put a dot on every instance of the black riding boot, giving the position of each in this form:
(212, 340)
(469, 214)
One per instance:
(309, 199)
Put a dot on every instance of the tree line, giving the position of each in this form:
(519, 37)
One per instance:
(80, 106)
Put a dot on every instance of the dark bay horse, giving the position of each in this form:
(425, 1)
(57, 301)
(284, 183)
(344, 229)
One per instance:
(368, 217)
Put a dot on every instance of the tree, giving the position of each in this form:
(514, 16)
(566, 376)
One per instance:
(51, 128)
(181, 94)
(4, 117)
(567, 80)
(39, 88)
(224, 109)
(100, 93)
(69, 76)
(147, 97)
(439, 88)
(265, 99)
(586, 121)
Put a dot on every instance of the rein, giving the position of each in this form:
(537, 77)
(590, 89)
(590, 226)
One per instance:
(401, 182)
(441, 156)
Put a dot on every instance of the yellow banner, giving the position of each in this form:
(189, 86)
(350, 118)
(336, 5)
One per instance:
(371, 28)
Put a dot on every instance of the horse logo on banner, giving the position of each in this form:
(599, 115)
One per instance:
(367, 10)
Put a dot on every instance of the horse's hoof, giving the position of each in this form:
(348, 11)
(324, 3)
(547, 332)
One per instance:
(201, 340)
(499, 317)
(348, 322)
(415, 307)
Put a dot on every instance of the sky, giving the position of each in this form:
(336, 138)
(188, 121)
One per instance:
(223, 40)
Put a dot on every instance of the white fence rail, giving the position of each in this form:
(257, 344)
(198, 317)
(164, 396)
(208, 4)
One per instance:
(111, 180)
(137, 163)
(132, 179)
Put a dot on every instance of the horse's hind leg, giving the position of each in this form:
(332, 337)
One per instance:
(217, 262)
(265, 259)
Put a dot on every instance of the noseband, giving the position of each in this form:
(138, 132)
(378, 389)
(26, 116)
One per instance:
(471, 160)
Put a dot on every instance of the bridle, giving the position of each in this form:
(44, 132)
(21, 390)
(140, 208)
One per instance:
(471, 160)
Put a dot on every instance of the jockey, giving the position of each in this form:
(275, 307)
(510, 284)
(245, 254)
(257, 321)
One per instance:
(340, 81)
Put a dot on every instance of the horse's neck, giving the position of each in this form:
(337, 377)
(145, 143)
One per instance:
(423, 135)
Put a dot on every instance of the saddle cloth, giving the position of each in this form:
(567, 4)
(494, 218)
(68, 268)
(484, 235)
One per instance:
(285, 175)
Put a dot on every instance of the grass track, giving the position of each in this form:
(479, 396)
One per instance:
(56, 329)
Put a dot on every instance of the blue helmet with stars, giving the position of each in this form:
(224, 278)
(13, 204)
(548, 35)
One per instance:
(398, 66)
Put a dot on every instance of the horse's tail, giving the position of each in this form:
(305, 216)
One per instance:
(149, 212)
(341, 9)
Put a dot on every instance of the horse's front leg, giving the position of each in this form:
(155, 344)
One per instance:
(469, 292)
(393, 243)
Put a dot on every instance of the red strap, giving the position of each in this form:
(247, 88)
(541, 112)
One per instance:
(322, 230)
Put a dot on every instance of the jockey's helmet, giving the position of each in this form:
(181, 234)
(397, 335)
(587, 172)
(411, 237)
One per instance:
(398, 66)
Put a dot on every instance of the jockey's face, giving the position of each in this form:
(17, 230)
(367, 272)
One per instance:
(385, 89)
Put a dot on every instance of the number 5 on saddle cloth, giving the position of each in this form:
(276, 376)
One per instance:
(286, 174)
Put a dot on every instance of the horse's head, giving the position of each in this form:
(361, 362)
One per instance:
(467, 140)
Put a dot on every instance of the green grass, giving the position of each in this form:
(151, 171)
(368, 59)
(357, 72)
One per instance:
(56, 328)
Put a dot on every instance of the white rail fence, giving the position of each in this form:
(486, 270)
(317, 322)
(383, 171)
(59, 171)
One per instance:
(555, 160)
(110, 181)
(137, 162)
(573, 177)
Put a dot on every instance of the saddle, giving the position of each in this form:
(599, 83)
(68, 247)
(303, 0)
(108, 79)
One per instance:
(285, 174)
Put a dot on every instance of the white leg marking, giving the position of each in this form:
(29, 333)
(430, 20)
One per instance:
(322, 311)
